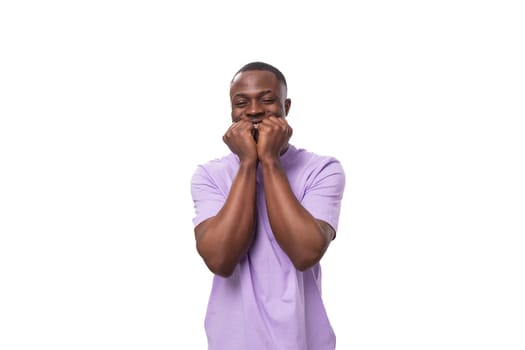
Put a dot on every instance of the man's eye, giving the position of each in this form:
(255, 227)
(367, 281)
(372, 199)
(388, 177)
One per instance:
(240, 104)
(268, 100)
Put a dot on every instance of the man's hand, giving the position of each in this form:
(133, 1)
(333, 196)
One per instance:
(239, 138)
(274, 134)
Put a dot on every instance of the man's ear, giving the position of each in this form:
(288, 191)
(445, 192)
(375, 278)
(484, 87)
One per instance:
(287, 105)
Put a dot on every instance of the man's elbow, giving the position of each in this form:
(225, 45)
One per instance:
(220, 269)
(219, 265)
(309, 256)
(306, 261)
(218, 260)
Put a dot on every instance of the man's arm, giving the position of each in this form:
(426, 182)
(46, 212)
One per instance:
(303, 238)
(224, 239)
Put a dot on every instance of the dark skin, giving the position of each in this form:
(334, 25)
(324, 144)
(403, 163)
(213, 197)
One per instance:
(259, 102)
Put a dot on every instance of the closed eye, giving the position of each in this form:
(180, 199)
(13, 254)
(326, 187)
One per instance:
(240, 104)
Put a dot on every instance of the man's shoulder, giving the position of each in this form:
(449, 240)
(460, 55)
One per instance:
(311, 158)
(218, 165)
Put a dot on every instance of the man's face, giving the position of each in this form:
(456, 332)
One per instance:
(256, 95)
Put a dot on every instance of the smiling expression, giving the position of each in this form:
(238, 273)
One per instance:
(257, 94)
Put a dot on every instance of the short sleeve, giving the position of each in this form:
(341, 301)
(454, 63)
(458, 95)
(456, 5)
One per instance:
(324, 192)
(207, 196)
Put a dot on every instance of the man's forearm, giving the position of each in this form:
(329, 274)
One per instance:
(299, 234)
(224, 239)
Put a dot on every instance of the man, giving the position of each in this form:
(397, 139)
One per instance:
(265, 215)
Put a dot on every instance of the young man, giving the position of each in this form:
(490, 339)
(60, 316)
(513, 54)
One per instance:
(265, 215)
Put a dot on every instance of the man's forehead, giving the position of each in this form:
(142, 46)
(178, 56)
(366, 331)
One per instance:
(256, 79)
(253, 75)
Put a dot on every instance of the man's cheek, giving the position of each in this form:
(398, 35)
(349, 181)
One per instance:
(235, 117)
(276, 114)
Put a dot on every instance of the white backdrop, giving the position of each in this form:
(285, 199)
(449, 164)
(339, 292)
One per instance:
(107, 106)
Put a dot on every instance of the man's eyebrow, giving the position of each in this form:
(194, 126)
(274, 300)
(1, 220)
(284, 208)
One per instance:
(262, 93)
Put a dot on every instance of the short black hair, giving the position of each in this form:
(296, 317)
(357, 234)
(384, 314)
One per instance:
(263, 66)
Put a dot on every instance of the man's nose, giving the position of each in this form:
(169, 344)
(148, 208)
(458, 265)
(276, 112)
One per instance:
(255, 110)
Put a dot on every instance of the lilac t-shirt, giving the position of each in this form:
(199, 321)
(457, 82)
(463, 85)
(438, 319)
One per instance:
(267, 304)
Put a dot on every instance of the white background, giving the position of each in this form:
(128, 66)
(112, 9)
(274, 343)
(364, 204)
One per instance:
(107, 106)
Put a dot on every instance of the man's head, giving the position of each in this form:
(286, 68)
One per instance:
(258, 90)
